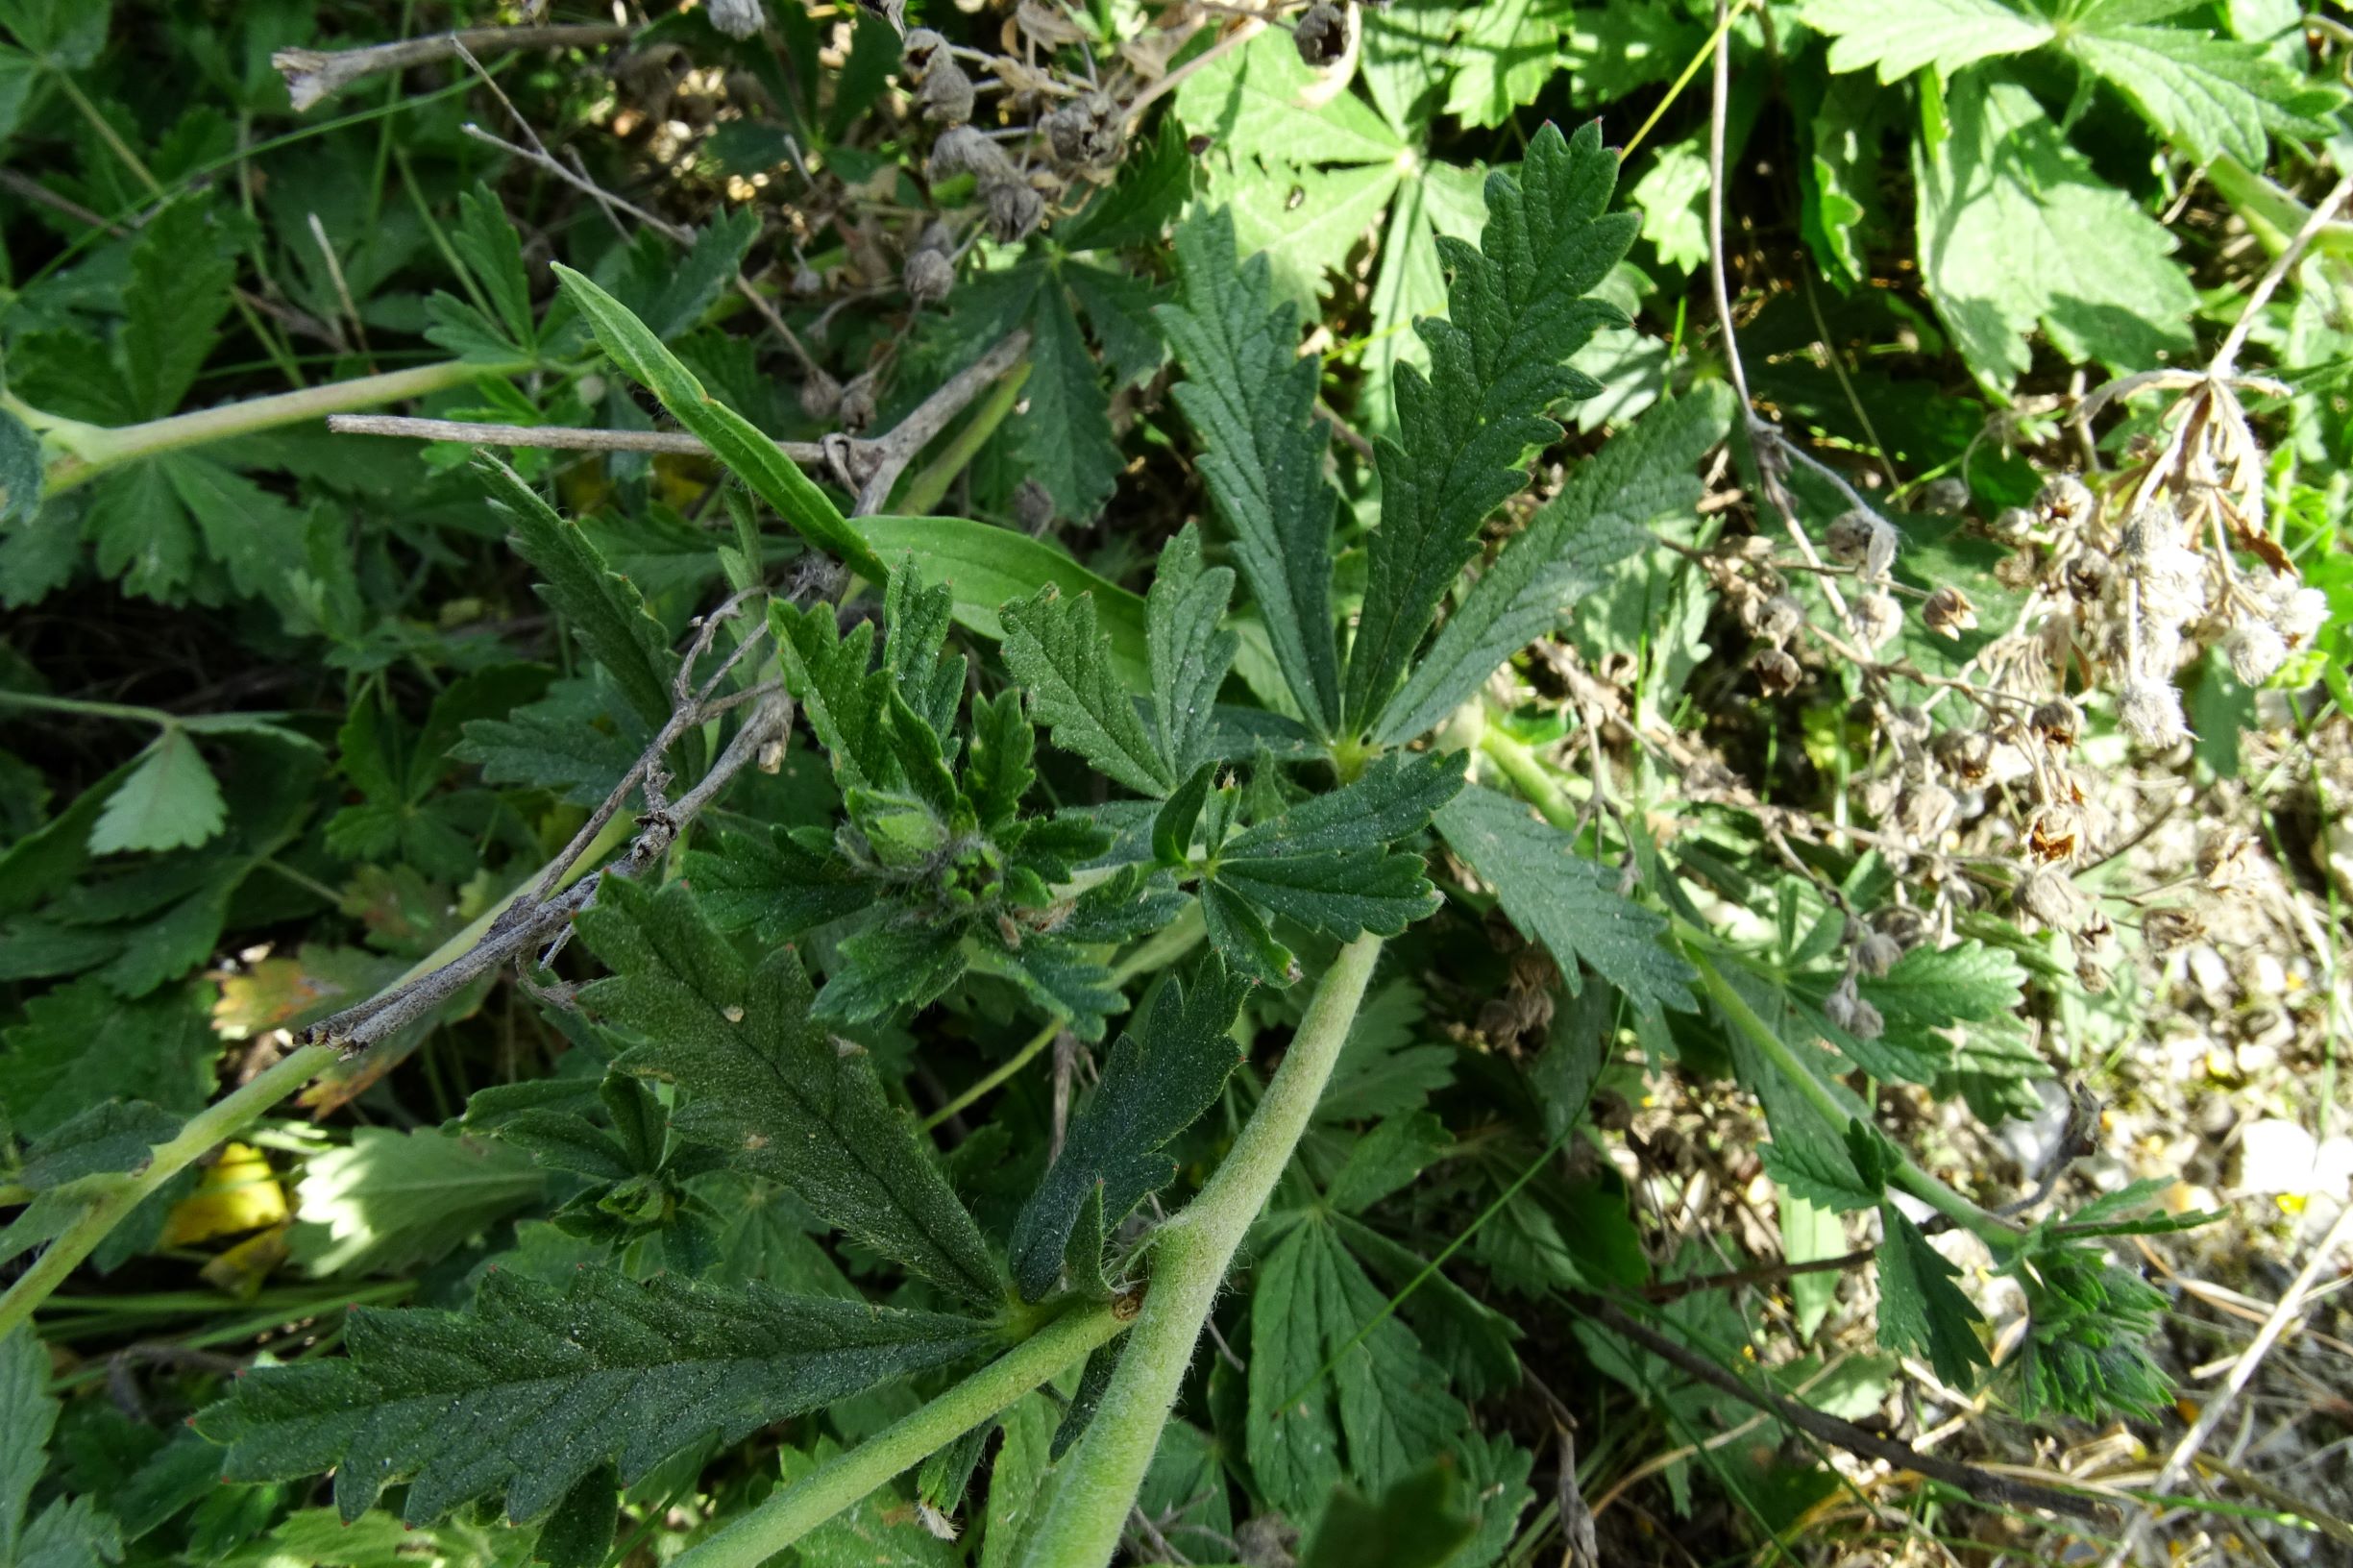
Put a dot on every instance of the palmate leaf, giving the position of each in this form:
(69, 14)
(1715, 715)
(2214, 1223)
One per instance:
(1251, 399)
(1565, 900)
(772, 1087)
(1900, 40)
(1600, 516)
(170, 802)
(64, 1534)
(1520, 308)
(1189, 654)
(540, 1385)
(1156, 1082)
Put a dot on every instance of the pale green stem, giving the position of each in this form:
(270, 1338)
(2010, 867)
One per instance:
(110, 1201)
(90, 450)
(793, 1511)
(1530, 776)
(90, 710)
(1970, 1216)
(924, 491)
(1191, 1253)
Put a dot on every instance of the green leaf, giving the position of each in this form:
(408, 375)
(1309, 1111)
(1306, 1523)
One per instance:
(1386, 1065)
(1919, 1308)
(20, 470)
(80, 1043)
(1508, 50)
(1189, 654)
(1253, 101)
(749, 456)
(1375, 1416)
(538, 1386)
(1250, 398)
(1900, 40)
(1154, 183)
(1520, 309)
(170, 802)
(772, 1087)
(1601, 516)
(1412, 283)
(985, 567)
(845, 698)
(2002, 184)
(392, 1201)
(1063, 429)
(1385, 1160)
(1418, 1523)
(604, 608)
(1818, 1172)
(65, 1533)
(2208, 95)
(1325, 864)
(1055, 650)
(179, 291)
(1155, 1083)
(493, 254)
(673, 290)
(1565, 900)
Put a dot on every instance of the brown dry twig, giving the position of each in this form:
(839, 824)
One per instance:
(312, 75)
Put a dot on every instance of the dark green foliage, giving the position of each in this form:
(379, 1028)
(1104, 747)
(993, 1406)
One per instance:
(537, 1386)
(772, 1089)
(1156, 1082)
(1250, 399)
(1519, 310)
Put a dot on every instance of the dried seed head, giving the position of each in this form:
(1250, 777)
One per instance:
(1948, 612)
(1322, 34)
(1909, 721)
(1879, 798)
(2255, 651)
(1966, 755)
(1011, 209)
(1879, 555)
(963, 150)
(2049, 897)
(929, 276)
(2087, 572)
(1947, 496)
(1926, 812)
(2303, 613)
(2065, 500)
(737, 18)
(1778, 618)
(1849, 535)
(1878, 617)
(1778, 673)
(1878, 953)
(1033, 505)
(1084, 133)
(2165, 929)
(2012, 524)
(2056, 834)
(2148, 531)
(1846, 1009)
(946, 97)
(858, 403)
(806, 280)
(821, 396)
(1903, 925)
(920, 48)
(2150, 710)
(2058, 721)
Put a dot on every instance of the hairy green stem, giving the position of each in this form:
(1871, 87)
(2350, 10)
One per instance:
(90, 450)
(795, 1510)
(1191, 1255)
(1530, 776)
(1970, 1216)
(109, 1203)
(204, 1131)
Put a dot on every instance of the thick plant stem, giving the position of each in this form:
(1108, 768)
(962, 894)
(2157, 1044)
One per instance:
(796, 1509)
(1530, 776)
(1970, 1216)
(107, 1205)
(1191, 1255)
(90, 450)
